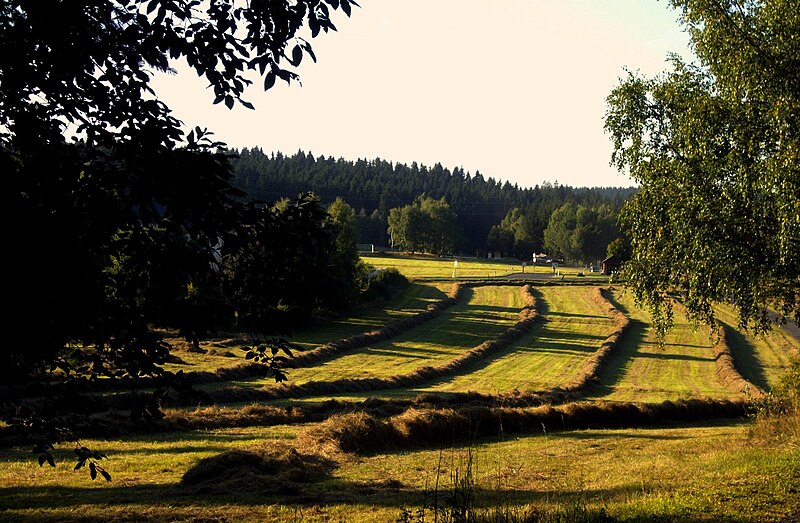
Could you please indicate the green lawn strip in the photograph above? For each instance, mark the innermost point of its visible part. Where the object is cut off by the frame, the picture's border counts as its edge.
(706, 472)
(643, 370)
(761, 359)
(548, 356)
(487, 312)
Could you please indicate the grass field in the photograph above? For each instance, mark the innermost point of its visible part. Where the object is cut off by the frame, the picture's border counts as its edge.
(574, 328)
(676, 471)
(646, 370)
(699, 473)
(484, 312)
(428, 267)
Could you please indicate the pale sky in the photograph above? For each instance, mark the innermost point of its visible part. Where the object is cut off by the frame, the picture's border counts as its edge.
(514, 89)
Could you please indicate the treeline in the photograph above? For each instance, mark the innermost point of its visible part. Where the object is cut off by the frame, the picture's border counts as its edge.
(374, 187)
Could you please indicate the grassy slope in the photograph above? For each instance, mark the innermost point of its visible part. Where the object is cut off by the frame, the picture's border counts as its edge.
(701, 473)
(644, 370)
(442, 268)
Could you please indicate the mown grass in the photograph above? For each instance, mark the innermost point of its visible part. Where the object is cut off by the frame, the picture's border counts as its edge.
(694, 473)
(415, 267)
(429, 267)
(707, 472)
(760, 359)
(485, 313)
(413, 299)
(550, 355)
(644, 369)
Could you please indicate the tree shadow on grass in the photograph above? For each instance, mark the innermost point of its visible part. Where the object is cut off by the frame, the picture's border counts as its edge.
(745, 357)
(627, 348)
(155, 503)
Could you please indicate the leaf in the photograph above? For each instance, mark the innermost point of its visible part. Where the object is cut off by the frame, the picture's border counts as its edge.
(105, 475)
(92, 470)
(269, 81)
(50, 460)
(42, 459)
(297, 56)
(79, 465)
(229, 102)
(246, 104)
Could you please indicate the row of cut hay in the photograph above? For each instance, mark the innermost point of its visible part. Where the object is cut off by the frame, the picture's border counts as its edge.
(590, 371)
(362, 432)
(249, 370)
(727, 373)
(389, 331)
(527, 317)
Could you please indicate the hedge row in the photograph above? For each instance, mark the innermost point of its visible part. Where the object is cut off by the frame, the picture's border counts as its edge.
(362, 432)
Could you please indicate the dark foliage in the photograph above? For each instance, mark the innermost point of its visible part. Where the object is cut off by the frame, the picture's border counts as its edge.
(118, 229)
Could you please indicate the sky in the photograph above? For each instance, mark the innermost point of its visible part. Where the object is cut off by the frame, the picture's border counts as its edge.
(515, 89)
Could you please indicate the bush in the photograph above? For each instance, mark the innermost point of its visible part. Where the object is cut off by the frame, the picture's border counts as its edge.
(777, 417)
(383, 283)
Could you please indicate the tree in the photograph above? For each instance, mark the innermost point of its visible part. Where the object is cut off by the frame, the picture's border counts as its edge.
(426, 225)
(500, 240)
(443, 234)
(619, 247)
(119, 228)
(715, 146)
(345, 264)
(580, 233)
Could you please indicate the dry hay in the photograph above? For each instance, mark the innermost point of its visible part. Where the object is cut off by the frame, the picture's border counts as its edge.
(362, 432)
(727, 373)
(270, 468)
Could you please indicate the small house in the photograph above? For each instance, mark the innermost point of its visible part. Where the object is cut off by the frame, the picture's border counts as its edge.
(611, 265)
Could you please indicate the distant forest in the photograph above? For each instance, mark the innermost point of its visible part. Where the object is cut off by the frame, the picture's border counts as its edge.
(374, 187)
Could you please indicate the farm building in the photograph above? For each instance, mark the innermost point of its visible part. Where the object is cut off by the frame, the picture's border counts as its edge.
(611, 265)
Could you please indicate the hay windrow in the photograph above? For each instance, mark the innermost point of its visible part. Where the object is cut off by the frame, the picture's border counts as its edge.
(528, 316)
(389, 331)
(362, 432)
(590, 371)
(727, 373)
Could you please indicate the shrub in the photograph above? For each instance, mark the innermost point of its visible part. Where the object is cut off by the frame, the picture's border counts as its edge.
(383, 283)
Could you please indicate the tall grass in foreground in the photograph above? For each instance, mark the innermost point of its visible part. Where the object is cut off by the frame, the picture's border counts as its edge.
(455, 497)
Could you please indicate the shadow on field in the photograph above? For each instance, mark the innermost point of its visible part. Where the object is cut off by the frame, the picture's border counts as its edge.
(174, 499)
(573, 315)
(684, 357)
(614, 369)
(745, 359)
